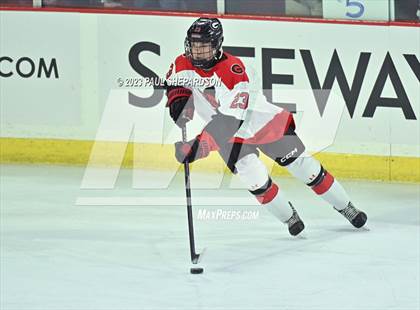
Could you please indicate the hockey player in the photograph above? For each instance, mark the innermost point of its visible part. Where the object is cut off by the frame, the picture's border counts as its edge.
(238, 130)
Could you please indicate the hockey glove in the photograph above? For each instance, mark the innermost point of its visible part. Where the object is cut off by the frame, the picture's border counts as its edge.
(191, 151)
(180, 103)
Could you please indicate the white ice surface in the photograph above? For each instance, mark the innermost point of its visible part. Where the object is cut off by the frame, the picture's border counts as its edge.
(59, 255)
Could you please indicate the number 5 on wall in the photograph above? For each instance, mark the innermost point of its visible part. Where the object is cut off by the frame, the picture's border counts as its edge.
(358, 4)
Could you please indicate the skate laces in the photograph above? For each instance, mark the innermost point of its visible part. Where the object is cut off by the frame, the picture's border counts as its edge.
(350, 212)
(294, 218)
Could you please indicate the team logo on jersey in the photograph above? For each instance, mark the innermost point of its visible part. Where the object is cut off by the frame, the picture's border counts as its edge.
(236, 69)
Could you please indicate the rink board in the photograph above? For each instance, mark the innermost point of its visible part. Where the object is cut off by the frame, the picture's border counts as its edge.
(161, 157)
(53, 114)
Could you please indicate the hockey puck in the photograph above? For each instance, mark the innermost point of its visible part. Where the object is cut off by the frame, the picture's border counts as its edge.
(196, 270)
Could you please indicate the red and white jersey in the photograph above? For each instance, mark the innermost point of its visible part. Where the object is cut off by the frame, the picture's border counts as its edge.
(230, 94)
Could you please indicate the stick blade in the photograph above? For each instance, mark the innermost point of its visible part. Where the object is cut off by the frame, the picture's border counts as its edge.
(197, 257)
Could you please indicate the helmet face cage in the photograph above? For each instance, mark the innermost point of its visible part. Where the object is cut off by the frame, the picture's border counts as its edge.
(209, 33)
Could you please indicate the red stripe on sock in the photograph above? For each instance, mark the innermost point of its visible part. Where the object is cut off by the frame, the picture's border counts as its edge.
(269, 194)
(325, 185)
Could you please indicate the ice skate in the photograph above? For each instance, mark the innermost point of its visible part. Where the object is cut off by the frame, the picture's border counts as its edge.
(356, 217)
(295, 224)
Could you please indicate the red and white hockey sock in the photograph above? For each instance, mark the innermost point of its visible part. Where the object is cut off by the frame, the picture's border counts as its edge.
(331, 191)
(274, 201)
(309, 170)
(254, 175)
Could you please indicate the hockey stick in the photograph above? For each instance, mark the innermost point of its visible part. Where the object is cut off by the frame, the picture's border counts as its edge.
(194, 256)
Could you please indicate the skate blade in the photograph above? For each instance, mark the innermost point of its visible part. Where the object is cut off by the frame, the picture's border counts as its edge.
(364, 228)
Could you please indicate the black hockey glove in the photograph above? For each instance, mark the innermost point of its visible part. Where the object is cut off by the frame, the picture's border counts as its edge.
(180, 103)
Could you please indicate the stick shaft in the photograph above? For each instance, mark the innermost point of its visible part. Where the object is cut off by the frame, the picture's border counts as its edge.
(194, 255)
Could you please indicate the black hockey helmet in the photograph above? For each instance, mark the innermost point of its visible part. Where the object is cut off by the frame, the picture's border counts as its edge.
(204, 30)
